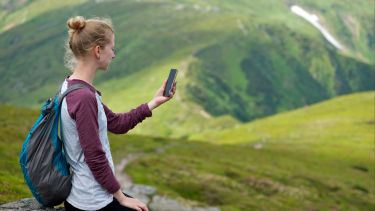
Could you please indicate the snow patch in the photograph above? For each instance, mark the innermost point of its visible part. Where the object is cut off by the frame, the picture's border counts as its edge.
(314, 20)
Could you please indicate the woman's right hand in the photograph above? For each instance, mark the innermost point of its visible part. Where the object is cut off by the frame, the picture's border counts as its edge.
(133, 203)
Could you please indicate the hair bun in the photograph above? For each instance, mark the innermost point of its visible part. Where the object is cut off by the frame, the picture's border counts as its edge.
(76, 23)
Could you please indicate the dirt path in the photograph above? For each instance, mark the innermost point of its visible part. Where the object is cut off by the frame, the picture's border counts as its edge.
(121, 175)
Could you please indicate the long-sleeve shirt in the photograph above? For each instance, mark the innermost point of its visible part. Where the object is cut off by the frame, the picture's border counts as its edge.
(84, 123)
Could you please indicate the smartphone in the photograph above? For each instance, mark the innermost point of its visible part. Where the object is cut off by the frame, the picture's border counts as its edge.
(170, 81)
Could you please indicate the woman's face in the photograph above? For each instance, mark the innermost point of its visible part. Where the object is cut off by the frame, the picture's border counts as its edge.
(107, 54)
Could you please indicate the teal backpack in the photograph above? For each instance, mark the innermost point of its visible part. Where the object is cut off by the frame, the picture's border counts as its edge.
(42, 158)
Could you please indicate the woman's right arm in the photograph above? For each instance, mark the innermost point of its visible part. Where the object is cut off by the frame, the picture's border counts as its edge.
(120, 123)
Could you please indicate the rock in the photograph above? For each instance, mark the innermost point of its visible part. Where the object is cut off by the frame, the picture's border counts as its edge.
(162, 203)
(27, 204)
(143, 189)
(142, 192)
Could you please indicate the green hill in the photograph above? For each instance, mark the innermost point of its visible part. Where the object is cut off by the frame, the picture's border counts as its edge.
(14, 125)
(354, 113)
(316, 158)
(238, 61)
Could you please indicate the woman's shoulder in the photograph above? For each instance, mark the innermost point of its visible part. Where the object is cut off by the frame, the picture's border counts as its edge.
(84, 97)
(81, 101)
(82, 94)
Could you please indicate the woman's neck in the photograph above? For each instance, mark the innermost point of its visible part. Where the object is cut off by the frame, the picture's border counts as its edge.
(85, 72)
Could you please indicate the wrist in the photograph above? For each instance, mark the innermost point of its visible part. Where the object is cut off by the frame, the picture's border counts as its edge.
(152, 105)
(120, 197)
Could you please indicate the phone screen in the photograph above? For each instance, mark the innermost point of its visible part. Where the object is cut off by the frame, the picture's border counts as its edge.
(170, 81)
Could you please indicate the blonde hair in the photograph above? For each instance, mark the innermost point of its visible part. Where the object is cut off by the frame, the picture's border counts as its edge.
(83, 35)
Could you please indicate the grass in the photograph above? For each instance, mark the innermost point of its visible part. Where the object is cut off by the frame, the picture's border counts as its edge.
(14, 125)
(26, 11)
(327, 119)
(320, 157)
(316, 158)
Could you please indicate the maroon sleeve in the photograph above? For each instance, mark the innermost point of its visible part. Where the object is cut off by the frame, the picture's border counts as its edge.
(123, 122)
(83, 108)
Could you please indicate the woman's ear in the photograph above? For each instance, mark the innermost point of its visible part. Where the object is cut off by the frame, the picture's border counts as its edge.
(97, 52)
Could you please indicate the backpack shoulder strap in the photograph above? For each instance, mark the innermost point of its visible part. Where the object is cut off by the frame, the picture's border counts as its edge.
(61, 97)
(70, 89)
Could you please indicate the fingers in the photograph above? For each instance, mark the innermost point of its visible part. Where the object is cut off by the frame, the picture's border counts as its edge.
(144, 208)
(162, 88)
(141, 206)
(174, 87)
(173, 91)
(135, 204)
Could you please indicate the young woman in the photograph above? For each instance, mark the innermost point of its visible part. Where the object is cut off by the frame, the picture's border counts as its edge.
(85, 120)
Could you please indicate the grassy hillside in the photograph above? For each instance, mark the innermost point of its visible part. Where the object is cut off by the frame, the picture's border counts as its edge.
(240, 60)
(264, 81)
(319, 157)
(279, 61)
(354, 113)
(14, 125)
(17, 12)
(316, 158)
